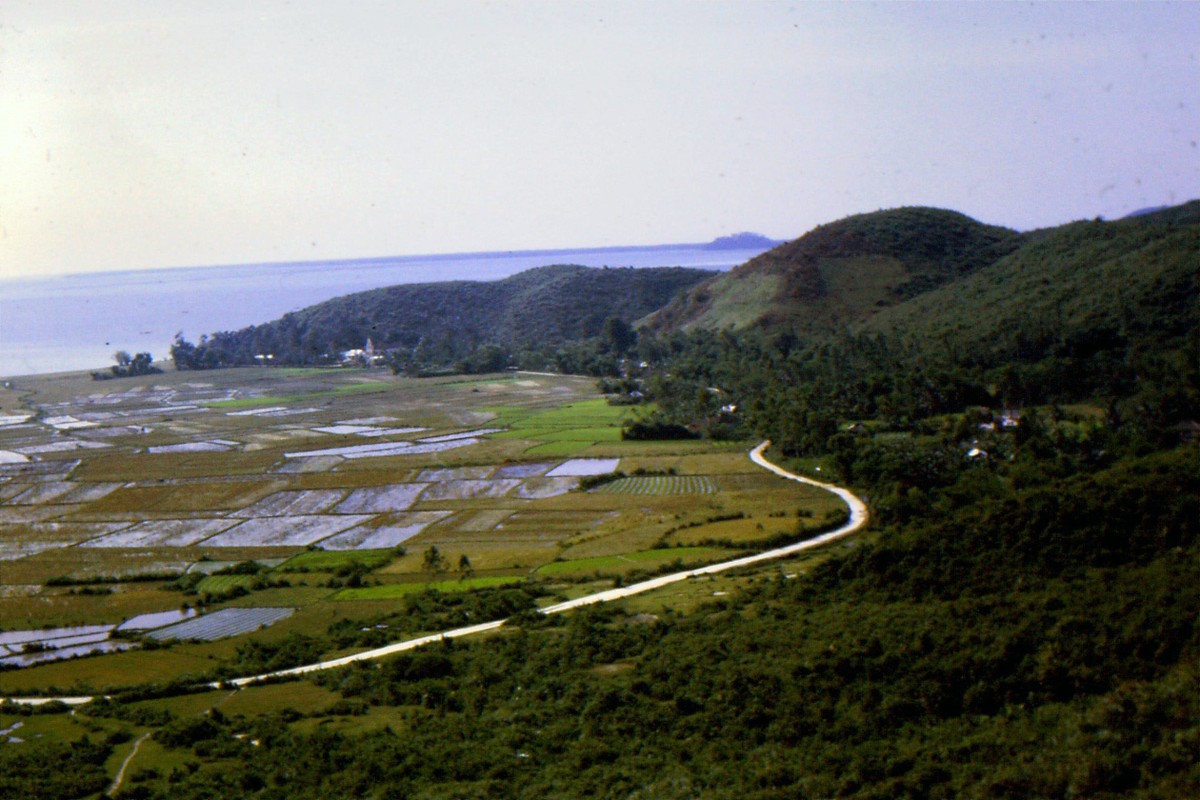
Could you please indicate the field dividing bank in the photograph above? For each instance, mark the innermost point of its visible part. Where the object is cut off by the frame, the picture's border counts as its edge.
(859, 517)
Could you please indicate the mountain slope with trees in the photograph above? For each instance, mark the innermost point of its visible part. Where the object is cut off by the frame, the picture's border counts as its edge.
(1101, 312)
(440, 323)
(1088, 291)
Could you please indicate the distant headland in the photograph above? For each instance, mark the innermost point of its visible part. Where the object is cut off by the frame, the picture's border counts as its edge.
(741, 241)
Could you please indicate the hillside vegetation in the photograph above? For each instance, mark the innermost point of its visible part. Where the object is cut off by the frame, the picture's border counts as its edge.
(1106, 313)
(1072, 292)
(1006, 642)
(440, 323)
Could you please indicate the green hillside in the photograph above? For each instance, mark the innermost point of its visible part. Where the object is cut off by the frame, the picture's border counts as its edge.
(442, 322)
(841, 273)
(1070, 292)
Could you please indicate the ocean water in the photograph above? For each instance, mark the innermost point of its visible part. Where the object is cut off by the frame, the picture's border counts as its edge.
(76, 322)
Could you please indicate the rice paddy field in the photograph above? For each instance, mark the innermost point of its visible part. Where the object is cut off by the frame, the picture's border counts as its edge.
(197, 511)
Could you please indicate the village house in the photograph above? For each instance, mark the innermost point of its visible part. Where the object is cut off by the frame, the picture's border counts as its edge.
(366, 356)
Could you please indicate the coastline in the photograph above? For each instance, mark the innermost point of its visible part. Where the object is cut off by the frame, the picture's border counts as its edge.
(73, 323)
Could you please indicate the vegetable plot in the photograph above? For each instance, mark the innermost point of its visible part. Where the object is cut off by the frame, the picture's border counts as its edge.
(659, 484)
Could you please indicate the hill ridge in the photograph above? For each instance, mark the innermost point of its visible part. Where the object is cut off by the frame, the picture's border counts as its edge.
(841, 272)
(446, 321)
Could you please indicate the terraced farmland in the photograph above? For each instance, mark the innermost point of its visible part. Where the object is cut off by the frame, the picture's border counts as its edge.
(338, 484)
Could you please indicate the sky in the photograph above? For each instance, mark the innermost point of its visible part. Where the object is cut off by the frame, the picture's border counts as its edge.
(156, 134)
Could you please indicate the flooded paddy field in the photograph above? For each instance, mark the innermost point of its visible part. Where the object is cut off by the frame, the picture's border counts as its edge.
(155, 507)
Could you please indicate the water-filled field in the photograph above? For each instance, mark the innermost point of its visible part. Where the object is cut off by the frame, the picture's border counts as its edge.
(222, 624)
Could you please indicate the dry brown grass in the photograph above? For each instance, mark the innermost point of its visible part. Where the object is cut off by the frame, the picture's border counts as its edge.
(192, 497)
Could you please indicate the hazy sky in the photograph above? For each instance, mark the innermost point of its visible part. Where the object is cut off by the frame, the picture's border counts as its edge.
(154, 134)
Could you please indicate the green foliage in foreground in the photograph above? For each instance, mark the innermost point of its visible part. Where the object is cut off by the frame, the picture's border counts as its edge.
(52, 769)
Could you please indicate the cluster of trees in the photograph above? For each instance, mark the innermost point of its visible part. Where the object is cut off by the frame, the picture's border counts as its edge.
(208, 354)
(128, 366)
(799, 391)
(55, 769)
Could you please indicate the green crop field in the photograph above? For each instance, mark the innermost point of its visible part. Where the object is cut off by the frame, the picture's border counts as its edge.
(331, 560)
(216, 584)
(565, 447)
(271, 400)
(564, 430)
(659, 484)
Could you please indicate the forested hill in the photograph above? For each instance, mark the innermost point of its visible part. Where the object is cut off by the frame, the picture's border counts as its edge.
(1068, 293)
(1106, 313)
(841, 273)
(443, 322)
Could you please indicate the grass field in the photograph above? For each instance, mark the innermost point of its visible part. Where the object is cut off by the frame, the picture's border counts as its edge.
(217, 584)
(330, 561)
(566, 447)
(644, 560)
(274, 400)
(390, 591)
(565, 430)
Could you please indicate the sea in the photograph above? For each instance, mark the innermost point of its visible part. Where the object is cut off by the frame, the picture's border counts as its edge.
(78, 321)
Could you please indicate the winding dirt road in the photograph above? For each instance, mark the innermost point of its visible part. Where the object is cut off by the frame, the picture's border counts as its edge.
(116, 784)
(858, 518)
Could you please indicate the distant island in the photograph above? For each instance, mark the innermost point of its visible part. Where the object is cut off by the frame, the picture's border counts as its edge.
(741, 241)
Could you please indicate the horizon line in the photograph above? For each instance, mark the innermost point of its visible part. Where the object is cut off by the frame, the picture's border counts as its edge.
(397, 258)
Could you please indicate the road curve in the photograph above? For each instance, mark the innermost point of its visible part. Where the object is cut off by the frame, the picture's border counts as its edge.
(858, 518)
